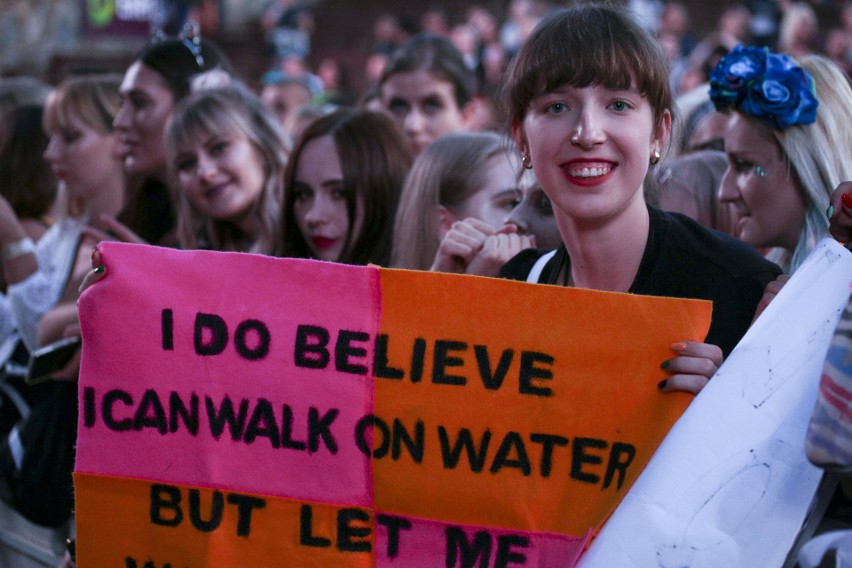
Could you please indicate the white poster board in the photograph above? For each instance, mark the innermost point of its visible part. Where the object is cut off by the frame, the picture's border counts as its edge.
(730, 486)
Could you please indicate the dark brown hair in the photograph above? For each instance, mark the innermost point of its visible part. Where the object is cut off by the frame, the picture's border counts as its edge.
(26, 179)
(374, 160)
(583, 46)
(438, 56)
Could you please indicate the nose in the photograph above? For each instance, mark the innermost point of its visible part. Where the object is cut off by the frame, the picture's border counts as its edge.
(51, 153)
(518, 218)
(206, 167)
(122, 118)
(728, 190)
(414, 121)
(318, 211)
(587, 132)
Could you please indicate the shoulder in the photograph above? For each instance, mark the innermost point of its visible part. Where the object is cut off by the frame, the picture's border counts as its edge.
(683, 238)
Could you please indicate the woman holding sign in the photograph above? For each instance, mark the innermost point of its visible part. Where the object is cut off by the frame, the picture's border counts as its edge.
(591, 109)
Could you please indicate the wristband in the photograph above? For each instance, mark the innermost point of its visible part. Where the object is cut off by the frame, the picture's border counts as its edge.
(16, 249)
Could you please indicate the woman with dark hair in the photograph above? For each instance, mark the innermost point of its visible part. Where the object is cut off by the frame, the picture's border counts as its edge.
(160, 76)
(26, 181)
(428, 89)
(590, 106)
(342, 187)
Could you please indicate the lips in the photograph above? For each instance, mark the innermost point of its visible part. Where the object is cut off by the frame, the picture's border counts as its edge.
(323, 243)
(588, 172)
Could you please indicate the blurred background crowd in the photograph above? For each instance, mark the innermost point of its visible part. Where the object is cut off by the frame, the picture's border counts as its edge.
(345, 42)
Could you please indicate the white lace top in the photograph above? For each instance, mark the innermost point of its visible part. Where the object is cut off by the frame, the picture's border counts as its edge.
(29, 299)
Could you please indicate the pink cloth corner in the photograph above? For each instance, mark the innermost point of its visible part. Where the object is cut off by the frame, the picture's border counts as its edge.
(124, 313)
(405, 542)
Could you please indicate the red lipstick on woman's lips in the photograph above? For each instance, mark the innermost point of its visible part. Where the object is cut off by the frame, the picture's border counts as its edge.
(323, 242)
(588, 172)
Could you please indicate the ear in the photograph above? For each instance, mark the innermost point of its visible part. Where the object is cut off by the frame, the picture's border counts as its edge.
(444, 220)
(664, 131)
(520, 137)
(468, 113)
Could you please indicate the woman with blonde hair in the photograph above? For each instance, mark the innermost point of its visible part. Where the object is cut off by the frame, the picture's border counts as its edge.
(788, 146)
(81, 152)
(227, 155)
(464, 183)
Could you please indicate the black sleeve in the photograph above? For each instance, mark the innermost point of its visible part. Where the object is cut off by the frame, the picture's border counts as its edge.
(737, 302)
(519, 266)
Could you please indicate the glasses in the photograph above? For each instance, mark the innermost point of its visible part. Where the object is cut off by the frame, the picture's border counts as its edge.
(190, 37)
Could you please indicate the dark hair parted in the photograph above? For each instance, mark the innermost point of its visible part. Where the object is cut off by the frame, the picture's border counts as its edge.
(173, 60)
(26, 179)
(438, 56)
(583, 46)
(374, 159)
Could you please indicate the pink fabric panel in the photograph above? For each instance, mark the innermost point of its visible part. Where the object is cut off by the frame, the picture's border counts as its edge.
(120, 431)
(419, 543)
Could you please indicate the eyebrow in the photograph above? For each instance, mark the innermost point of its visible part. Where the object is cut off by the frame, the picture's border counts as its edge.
(513, 191)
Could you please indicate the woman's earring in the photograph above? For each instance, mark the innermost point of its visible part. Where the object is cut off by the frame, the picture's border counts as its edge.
(526, 161)
(655, 158)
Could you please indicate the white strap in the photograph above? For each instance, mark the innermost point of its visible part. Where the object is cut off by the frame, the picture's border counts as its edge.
(538, 267)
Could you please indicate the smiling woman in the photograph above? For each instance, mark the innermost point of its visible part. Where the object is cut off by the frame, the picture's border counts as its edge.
(227, 155)
(590, 107)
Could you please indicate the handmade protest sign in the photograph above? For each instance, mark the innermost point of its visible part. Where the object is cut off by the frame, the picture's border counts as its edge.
(239, 410)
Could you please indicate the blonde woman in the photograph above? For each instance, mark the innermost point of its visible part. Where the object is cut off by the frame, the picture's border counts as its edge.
(783, 158)
(459, 193)
(227, 155)
(81, 153)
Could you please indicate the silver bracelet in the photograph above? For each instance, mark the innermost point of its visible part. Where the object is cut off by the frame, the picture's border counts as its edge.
(16, 249)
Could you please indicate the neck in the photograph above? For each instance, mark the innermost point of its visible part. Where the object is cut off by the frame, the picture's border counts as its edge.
(606, 254)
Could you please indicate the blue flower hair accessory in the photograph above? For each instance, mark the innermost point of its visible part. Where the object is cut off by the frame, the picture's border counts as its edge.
(765, 85)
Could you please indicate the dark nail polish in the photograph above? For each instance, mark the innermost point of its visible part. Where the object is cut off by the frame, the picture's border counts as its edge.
(99, 269)
(665, 364)
(846, 199)
(662, 384)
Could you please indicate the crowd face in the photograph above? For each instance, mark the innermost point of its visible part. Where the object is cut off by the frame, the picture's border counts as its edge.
(285, 100)
(424, 106)
(497, 195)
(768, 205)
(320, 206)
(146, 105)
(222, 177)
(533, 214)
(83, 158)
(590, 148)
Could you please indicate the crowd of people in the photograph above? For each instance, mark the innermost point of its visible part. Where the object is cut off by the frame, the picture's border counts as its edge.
(626, 156)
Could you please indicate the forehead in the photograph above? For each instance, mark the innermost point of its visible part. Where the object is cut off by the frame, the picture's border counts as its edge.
(319, 161)
(140, 77)
(744, 137)
(414, 85)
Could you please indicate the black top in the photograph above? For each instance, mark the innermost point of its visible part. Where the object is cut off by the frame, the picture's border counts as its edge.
(683, 259)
